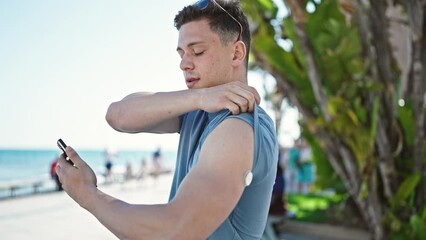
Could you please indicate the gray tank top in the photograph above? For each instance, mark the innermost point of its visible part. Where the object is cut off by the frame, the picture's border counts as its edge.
(248, 219)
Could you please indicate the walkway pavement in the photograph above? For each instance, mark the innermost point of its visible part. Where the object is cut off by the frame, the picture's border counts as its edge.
(292, 230)
(55, 216)
(298, 236)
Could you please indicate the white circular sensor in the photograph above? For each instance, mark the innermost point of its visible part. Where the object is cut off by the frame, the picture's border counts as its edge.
(248, 178)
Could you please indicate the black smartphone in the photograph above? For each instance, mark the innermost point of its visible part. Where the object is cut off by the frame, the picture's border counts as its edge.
(62, 146)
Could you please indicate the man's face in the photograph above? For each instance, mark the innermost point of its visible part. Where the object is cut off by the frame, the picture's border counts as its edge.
(205, 62)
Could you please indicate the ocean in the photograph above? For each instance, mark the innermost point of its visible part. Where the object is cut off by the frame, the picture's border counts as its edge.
(17, 166)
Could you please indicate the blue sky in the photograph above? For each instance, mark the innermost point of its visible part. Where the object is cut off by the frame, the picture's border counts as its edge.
(63, 62)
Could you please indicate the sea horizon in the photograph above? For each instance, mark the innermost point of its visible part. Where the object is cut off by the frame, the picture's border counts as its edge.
(26, 165)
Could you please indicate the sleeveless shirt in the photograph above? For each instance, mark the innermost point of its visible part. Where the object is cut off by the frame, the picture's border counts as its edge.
(248, 218)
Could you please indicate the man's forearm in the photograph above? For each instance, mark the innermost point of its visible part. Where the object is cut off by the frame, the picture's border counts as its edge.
(159, 112)
(129, 221)
(151, 112)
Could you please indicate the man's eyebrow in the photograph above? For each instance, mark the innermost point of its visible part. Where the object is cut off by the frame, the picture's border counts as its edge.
(189, 45)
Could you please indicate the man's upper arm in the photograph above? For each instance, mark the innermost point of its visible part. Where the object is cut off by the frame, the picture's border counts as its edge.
(213, 187)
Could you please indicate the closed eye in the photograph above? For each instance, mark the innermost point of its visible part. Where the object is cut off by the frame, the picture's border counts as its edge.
(198, 53)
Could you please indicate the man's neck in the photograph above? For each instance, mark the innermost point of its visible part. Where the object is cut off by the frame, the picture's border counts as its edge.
(241, 76)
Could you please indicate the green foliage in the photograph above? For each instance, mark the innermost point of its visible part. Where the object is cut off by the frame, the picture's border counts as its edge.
(289, 32)
(284, 62)
(324, 208)
(354, 103)
(406, 118)
(405, 190)
(349, 124)
(259, 9)
(312, 208)
(337, 49)
(326, 177)
(401, 204)
(418, 224)
(415, 229)
(337, 52)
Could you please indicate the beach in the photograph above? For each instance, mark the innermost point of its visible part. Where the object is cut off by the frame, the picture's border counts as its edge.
(55, 215)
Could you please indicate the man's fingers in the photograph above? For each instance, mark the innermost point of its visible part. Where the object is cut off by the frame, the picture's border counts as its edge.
(234, 108)
(74, 157)
(58, 168)
(241, 102)
(61, 167)
(250, 96)
(255, 94)
(235, 96)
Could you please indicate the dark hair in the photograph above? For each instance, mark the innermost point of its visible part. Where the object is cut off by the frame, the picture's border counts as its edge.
(220, 22)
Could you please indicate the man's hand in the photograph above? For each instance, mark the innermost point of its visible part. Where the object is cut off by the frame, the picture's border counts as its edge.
(79, 181)
(235, 96)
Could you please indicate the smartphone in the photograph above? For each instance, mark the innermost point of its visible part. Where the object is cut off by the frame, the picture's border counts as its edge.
(62, 146)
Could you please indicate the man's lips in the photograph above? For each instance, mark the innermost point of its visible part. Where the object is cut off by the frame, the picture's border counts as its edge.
(190, 82)
(192, 79)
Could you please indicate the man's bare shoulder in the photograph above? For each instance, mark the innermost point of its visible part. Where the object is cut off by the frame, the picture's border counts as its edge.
(231, 134)
(235, 127)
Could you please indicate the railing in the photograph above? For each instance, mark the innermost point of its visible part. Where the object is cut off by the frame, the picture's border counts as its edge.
(13, 186)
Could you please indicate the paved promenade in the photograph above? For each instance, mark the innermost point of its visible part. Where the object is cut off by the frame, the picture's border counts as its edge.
(55, 216)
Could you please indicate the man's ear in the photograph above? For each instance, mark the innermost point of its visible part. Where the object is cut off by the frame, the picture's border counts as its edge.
(239, 53)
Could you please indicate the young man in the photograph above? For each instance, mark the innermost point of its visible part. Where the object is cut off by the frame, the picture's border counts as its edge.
(227, 153)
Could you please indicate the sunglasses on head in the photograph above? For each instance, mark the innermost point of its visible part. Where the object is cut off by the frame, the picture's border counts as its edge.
(202, 4)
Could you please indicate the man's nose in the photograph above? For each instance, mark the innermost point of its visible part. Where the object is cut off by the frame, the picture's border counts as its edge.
(186, 63)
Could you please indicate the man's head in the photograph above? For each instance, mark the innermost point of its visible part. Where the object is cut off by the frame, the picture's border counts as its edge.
(225, 17)
(214, 39)
(209, 43)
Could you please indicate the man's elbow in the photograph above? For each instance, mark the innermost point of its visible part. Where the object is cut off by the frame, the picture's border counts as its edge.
(113, 117)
